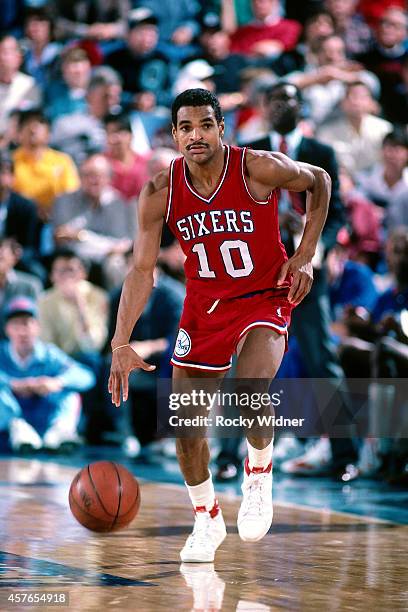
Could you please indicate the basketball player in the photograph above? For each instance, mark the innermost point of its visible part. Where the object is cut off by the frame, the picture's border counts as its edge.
(221, 202)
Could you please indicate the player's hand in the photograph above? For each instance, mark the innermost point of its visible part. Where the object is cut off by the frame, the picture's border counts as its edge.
(124, 360)
(301, 270)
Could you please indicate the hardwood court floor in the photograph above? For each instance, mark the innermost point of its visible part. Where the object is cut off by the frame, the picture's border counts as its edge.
(312, 559)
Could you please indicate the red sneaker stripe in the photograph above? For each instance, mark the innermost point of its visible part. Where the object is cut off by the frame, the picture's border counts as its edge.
(257, 470)
(213, 512)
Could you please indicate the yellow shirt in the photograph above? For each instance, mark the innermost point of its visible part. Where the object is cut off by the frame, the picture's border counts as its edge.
(61, 324)
(44, 178)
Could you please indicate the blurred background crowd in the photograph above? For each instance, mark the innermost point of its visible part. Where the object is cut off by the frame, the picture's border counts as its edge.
(85, 93)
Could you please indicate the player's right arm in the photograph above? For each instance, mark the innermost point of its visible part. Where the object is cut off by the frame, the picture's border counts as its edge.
(138, 285)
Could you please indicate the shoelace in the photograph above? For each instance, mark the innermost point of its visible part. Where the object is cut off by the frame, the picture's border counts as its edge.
(253, 501)
(201, 536)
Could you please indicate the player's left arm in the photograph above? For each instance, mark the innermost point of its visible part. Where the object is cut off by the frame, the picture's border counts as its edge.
(275, 170)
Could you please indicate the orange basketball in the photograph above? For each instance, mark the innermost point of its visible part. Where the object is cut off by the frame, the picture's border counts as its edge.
(104, 496)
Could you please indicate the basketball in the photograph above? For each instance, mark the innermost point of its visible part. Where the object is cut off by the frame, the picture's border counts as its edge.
(104, 496)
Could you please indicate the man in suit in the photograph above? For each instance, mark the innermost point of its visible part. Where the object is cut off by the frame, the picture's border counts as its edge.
(311, 319)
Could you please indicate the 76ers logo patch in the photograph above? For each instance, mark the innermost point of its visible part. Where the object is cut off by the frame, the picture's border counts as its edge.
(183, 344)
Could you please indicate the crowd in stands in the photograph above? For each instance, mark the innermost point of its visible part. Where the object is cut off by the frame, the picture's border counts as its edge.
(86, 88)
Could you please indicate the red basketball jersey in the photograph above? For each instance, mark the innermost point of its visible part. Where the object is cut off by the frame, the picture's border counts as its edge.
(231, 241)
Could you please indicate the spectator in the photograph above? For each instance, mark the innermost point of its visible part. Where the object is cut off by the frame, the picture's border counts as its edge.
(68, 94)
(18, 216)
(38, 384)
(227, 66)
(13, 283)
(17, 90)
(145, 71)
(351, 283)
(373, 10)
(73, 313)
(41, 173)
(395, 103)
(94, 221)
(94, 19)
(152, 337)
(363, 238)
(82, 133)
(324, 87)
(350, 25)
(178, 25)
(388, 179)
(268, 35)
(41, 51)
(318, 25)
(129, 169)
(310, 322)
(357, 134)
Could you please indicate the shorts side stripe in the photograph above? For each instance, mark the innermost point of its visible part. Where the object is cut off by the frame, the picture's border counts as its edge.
(199, 366)
(281, 330)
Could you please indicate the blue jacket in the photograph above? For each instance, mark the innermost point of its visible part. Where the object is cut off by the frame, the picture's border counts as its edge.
(46, 360)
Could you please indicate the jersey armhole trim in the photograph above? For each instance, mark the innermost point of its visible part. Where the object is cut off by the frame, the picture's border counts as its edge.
(170, 192)
(244, 150)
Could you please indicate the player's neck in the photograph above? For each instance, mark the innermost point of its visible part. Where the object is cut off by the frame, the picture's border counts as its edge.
(207, 175)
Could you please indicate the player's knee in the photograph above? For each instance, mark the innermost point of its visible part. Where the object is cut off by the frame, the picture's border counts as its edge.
(189, 447)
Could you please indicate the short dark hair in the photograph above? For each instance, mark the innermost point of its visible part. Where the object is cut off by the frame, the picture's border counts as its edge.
(67, 253)
(121, 120)
(196, 97)
(32, 114)
(398, 137)
(281, 84)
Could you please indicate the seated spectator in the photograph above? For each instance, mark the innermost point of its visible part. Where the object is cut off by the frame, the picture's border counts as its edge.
(94, 19)
(318, 25)
(94, 221)
(40, 50)
(227, 66)
(389, 50)
(145, 71)
(17, 90)
(388, 179)
(152, 337)
(178, 25)
(13, 283)
(350, 25)
(73, 313)
(372, 10)
(268, 35)
(351, 283)
(363, 238)
(324, 86)
(129, 169)
(18, 216)
(357, 133)
(82, 133)
(68, 94)
(39, 385)
(41, 173)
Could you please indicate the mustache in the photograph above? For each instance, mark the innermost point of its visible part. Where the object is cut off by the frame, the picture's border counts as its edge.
(197, 144)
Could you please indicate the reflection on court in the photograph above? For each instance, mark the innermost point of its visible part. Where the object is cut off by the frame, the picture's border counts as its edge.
(311, 560)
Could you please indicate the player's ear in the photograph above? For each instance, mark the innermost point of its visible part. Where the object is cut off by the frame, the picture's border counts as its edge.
(173, 132)
(221, 127)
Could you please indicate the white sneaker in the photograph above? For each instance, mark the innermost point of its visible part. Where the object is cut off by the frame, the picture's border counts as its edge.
(208, 533)
(369, 461)
(256, 511)
(23, 436)
(208, 588)
(315, 461)
(56, 438)
(287, 447)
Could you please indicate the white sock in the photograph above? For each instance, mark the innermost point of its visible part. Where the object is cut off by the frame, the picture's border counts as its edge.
(259, 458)
(202, 495)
